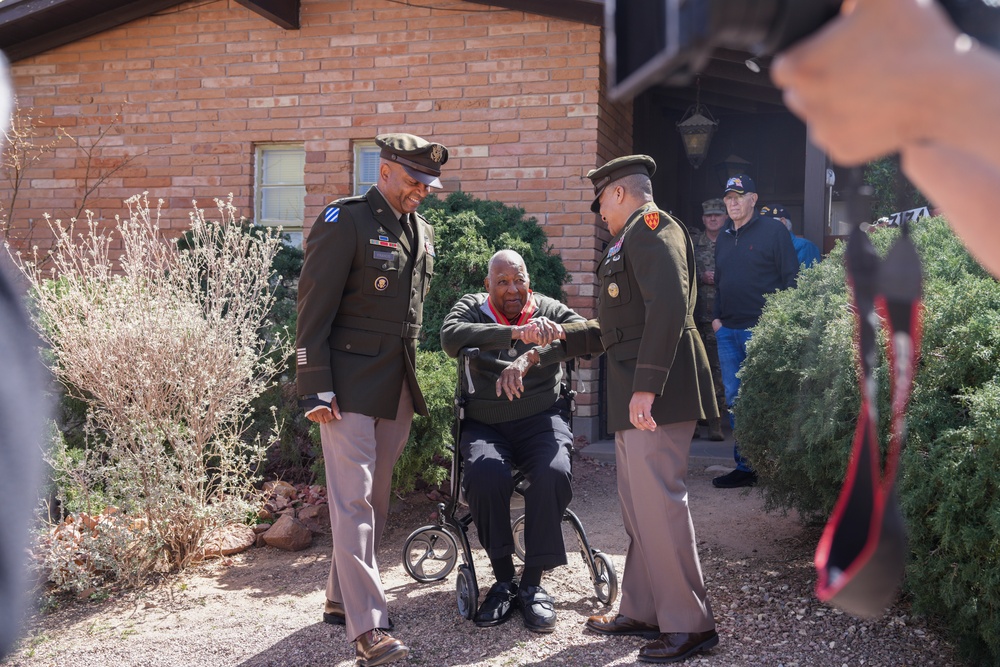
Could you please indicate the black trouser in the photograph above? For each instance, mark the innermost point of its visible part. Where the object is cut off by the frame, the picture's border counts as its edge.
(538, 446)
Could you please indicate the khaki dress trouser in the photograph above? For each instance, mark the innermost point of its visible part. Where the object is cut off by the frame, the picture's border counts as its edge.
(662, 583)
(359, 453)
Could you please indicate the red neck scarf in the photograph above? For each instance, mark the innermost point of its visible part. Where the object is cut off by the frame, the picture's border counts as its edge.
(524, 316)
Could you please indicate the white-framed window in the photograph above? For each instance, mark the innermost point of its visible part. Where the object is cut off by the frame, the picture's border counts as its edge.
(279, 188)
(365, 166)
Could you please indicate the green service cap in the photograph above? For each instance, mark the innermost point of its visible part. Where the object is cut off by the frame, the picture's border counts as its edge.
(420, 158)
(618, 168)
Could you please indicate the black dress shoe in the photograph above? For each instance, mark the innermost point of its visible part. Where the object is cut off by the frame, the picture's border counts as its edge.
(735, 479)
(334, 614)
(378, 647)
(498, 606)
(621, 626)
(677, 646)
(538, 608)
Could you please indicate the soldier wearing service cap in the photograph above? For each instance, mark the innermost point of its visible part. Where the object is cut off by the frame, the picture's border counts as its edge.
(659, 385)
(368, 265)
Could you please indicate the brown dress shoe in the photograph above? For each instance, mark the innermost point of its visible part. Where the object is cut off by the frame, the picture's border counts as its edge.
(334, 614)
(677, 646)
(621, 625)
(378, 647)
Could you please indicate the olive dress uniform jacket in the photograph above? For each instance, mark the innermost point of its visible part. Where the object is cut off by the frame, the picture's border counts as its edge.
(646, 317)
(360, 305)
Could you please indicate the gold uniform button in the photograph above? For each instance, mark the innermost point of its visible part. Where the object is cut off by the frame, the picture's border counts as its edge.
(613, 290)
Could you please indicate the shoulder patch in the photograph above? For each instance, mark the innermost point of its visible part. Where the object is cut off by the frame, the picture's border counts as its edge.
(332, 211)
(652, 219)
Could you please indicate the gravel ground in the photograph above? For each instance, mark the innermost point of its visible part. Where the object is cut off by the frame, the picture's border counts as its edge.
(263, 607)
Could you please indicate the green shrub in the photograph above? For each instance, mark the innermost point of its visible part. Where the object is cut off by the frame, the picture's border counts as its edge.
(467, 231)
(893, 192)
(798, 406)
(427, 456)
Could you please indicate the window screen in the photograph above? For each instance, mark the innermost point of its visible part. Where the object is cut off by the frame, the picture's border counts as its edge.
(280, 185)
(365, 166)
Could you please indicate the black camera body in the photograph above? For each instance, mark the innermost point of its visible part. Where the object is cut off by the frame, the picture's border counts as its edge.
(669, 41)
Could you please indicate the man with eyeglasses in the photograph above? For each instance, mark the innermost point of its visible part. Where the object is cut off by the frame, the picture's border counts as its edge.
(754, 256)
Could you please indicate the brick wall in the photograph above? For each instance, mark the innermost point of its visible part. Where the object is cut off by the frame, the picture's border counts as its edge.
(518, 98)
(614, 139)
(515, 96)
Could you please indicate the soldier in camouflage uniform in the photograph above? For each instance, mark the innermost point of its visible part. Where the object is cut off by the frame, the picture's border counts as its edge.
(714, 219)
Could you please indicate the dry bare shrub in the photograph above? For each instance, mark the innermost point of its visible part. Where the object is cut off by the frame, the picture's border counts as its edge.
(164, 346)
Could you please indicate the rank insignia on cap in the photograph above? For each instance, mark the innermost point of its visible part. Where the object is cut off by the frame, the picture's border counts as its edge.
(332, 214)
(437, 152)
(613, 290)
(652, 219)
(381, 283)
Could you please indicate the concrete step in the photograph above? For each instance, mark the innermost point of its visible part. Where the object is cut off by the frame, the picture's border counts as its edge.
(703, 452)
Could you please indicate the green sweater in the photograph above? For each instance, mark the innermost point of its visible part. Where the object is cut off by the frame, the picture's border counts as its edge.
(469, 324)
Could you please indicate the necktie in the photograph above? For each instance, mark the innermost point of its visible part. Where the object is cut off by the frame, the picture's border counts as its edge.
(407, 229)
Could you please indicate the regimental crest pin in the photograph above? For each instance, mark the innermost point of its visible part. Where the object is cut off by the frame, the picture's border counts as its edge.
(652, 219)
(613, 290)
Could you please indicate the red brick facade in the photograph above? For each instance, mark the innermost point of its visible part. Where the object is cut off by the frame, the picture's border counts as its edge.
(518, 98)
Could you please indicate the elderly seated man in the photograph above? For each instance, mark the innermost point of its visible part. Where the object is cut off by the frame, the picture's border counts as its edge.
(532, 434)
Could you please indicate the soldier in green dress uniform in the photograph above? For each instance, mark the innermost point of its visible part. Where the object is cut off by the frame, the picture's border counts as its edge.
(368, 265)
(659, 385)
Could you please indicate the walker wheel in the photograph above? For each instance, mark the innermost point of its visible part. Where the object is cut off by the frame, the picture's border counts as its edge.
(430, 554)
(467, 592)
(605, 579)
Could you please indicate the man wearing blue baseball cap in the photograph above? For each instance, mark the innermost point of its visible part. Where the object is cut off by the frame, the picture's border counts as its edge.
(754, 256)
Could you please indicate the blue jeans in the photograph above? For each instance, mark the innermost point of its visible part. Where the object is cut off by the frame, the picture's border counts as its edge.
(732, 345)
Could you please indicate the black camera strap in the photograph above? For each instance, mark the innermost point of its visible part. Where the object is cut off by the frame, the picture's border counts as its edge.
(862, 553)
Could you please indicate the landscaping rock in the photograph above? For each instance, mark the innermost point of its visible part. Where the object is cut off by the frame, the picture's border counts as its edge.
(289, 534)
(316, 518)
(228, 540)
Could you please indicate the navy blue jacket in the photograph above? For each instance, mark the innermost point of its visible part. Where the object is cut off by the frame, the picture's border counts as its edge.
(755, 260)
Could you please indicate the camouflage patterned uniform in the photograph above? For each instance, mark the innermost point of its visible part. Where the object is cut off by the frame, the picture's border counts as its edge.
(704, 257)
